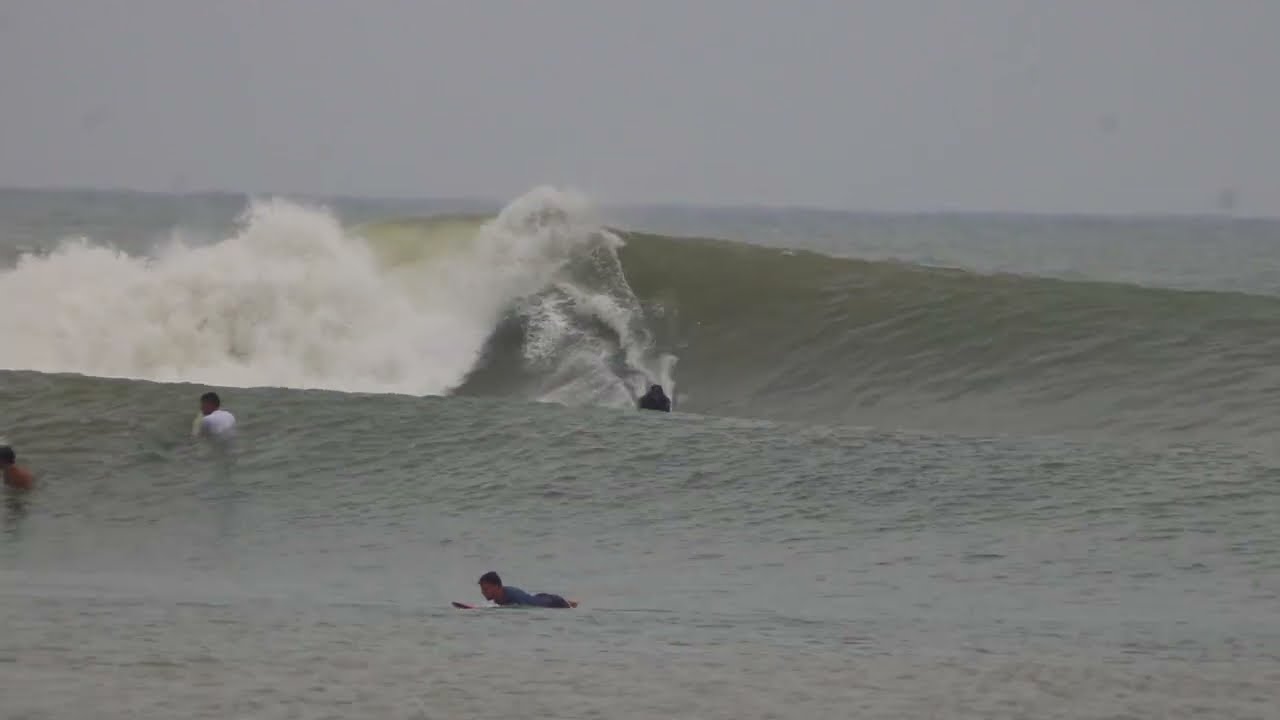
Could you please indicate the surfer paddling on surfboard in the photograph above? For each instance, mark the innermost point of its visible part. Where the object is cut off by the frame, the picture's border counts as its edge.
(494, 591)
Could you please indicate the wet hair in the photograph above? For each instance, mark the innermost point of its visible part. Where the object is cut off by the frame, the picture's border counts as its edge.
(491, 578)
(7, 455)
(655, 389)
(212, 398)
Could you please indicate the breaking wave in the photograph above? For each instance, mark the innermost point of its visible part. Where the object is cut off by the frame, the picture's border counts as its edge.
(295, 299)
(544, 302)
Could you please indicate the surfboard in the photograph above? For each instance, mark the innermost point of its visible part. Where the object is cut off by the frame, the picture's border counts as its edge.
(464, 606)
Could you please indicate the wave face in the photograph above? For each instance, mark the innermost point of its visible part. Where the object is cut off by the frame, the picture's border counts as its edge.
(543, 302)
(800, 335)
(294, 299)
(803, 336)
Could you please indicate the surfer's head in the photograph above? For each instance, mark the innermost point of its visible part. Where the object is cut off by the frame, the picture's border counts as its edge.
(209, 402)
(7, 456)
(491, 586)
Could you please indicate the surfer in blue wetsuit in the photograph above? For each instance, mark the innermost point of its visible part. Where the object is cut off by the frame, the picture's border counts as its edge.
(495, 592)
(655, 399)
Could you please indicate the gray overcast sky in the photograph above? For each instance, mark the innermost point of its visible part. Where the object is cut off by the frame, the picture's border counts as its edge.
(1091, 105)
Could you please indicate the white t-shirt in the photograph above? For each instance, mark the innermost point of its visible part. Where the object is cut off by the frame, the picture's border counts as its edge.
(218, 423)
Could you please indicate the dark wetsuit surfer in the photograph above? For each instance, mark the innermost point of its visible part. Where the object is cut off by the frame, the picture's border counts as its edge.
(494, 591)
(655, 399)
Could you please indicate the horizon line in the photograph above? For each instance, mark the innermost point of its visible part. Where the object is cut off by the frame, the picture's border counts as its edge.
(747, 206)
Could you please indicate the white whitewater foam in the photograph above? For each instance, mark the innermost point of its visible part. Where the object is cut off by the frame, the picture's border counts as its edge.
(292, 299)
(584, 366)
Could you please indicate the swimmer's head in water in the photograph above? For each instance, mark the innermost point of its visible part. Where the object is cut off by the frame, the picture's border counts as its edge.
(7, 456)
(210, 402)
(491, 586)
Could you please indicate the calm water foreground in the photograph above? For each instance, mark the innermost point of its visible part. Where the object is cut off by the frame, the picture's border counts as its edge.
(726, 568)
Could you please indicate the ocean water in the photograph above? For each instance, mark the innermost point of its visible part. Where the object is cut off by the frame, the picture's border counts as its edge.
(943, 466)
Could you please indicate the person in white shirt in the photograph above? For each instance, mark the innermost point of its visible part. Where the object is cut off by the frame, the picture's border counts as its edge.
(214, 422)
